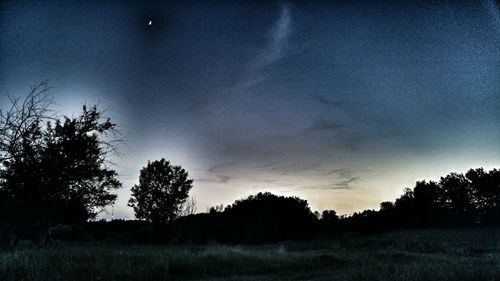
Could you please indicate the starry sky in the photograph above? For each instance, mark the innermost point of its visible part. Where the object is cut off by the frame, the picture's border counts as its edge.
(342, 103)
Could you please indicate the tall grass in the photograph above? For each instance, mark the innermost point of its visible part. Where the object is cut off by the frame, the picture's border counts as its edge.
(414, 255)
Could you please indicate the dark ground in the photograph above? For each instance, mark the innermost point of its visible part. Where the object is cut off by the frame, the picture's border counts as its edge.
(459, 254)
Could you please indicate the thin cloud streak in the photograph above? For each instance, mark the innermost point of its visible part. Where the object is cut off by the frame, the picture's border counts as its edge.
(222, 166)
(280, 33)
(217, 179)
(273, 52)
(341, 185)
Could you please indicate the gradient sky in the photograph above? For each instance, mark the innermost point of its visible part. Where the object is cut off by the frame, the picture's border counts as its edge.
(341, 103)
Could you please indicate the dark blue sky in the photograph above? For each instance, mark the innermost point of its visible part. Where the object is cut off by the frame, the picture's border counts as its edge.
(342, 103)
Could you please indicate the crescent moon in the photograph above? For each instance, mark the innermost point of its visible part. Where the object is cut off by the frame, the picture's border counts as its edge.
(150, 23)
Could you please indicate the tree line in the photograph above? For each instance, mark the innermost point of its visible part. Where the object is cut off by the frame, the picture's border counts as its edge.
(456, 199)
(56, 176)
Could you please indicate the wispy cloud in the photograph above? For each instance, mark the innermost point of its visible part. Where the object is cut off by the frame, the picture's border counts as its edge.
(344, 179)
(354, 142)
(265, 165)
(335, 186)
(345, 184)
(216, 179)
(275, 49)
(222, 166)
(343, 172)
(321, 124)
(278, 40)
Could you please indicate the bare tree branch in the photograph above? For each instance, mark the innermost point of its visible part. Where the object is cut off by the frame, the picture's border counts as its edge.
(16, 121)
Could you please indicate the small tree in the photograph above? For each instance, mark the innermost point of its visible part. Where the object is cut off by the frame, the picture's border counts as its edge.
(161, 192)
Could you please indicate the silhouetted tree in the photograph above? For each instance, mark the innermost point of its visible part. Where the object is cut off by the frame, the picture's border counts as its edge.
(458, 198)
(386, 206)
(458, 195)
(266, 217)
(161, 192)
(485, 188)
(329, 221)
(428, 203)
(329, 216)
(52, 170)
(216, 209)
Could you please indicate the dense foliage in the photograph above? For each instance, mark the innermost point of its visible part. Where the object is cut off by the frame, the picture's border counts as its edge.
(53, 170)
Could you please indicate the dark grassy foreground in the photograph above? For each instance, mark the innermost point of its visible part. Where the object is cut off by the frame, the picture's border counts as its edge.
(411, 255)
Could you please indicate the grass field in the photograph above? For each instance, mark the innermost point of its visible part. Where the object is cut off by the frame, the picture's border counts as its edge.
(410, 255)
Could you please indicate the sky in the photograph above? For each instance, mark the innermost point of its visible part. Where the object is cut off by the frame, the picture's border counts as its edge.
(342, 103)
